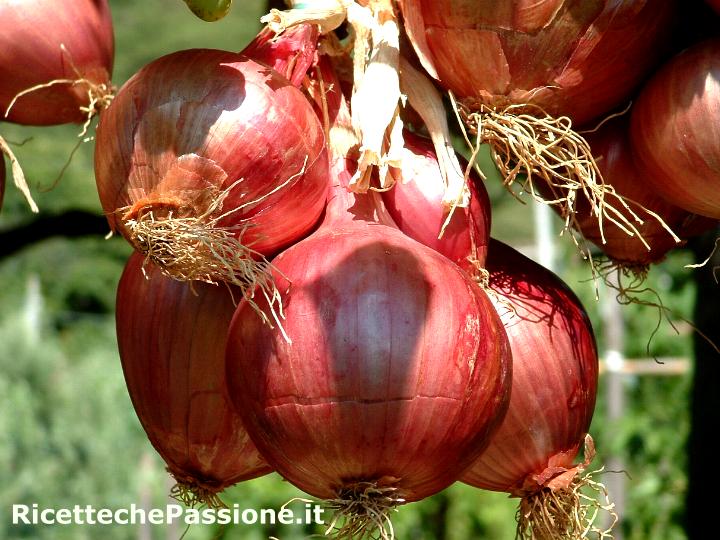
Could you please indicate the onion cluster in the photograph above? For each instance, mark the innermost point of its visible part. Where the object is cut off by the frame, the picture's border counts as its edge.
(313, 289)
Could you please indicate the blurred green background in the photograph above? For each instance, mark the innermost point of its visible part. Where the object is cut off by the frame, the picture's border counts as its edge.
(68, 433)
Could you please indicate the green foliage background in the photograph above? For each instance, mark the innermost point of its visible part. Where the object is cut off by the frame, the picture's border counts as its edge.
(68, 433)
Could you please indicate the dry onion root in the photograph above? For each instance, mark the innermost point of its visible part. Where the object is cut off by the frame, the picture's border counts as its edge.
(555, 160)
(194, 493)
(99, 97)
(362, 510)
(195, 247)
(563, 509)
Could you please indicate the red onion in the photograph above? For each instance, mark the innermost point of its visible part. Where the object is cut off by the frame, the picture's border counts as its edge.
(66, 46)
(612, 151)
(415, 204)
(171, 340)
(715, 4)
(524, 72)
(576, 59)
(207, 159)
(395, 374)
(676, 130)
(555, 371)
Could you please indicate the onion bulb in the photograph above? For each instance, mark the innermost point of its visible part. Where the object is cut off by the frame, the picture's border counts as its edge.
(415, 204)
(55, 60)
(614, 156)
(172, 345)
(676, 130)
(555, 372)
(522, 73)
(395, 375)
(206, 161)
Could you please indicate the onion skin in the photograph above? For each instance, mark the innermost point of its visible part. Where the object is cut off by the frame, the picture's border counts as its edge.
(675, 130)
(555, 372)
(614, 156)
(572, 58)
(31, 54)
(190, 124)
(393, 347)
(171, 342)
(291, 54)
(415, 204)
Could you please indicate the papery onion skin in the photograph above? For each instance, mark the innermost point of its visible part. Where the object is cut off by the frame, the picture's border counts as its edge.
(572, 58)
(31, 54)
(192, 123)
(555, 372)
(392, 348)
(613, 153)
(675, 129)
(291, 54)
(416, 205)
(172, 345)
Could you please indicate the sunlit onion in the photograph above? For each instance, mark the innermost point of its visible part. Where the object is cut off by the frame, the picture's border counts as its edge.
(613, 153)
(172, 346)
(56, 60)
(576, 59)
(207, 160)
(523, 73)
(676, 130)
(555, 371)
(370, 403)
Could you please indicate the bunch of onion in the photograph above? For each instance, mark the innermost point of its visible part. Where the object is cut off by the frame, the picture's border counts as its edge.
(396, 373)
(633, 254)
(522, 73)
(675, 130)
(208, 161)
(555, 369)
(172, 346)
(416, 205)
(55, 65)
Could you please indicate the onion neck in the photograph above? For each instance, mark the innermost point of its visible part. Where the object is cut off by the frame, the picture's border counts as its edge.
(346, 207)
(331, 105)
(291, 53)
